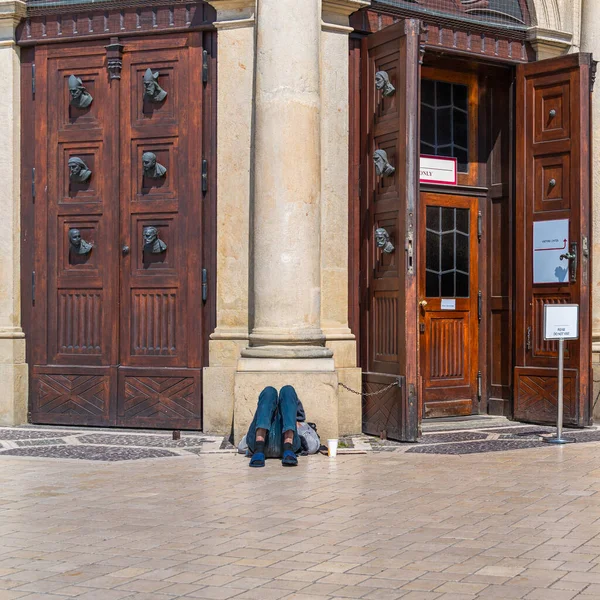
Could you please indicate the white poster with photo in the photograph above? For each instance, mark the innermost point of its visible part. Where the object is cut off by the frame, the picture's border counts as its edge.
(550, 240)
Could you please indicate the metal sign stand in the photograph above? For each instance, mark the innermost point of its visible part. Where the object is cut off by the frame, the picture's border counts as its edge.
(561, 322)
(559, 439)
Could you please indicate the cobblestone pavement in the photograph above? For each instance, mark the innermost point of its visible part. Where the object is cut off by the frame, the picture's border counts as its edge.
(381, 525)
(117, 445)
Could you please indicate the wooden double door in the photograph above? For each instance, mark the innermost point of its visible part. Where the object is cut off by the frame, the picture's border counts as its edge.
(433, 315)
(117, 322)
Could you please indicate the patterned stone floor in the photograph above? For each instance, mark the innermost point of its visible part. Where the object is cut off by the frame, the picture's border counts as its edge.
(117, 445)
(105, 444)
(380, 526)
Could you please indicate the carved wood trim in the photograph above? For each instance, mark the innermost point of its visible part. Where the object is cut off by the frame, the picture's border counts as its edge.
(442, 32)
(112, 19)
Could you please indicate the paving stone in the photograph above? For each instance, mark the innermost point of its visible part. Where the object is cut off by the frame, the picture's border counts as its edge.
(476, 447)
(15, 433)
(161, 441)
(379, 525)
(106, 453)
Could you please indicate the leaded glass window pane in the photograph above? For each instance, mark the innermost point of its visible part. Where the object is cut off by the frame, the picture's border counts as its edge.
(447, 252)
(445, 121)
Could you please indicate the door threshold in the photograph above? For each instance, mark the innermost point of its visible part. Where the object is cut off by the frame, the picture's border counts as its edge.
(467, 422)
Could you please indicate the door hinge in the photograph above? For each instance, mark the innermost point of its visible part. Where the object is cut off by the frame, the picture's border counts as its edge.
(479, 386)
(205, 66)
(479, 305)
(33, 184)
(33, 79)
(528, 338)
(479, 226)
(204, 175)
(33, 288)
(204, 285)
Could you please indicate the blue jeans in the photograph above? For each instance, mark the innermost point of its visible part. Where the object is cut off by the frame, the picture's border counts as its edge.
(277, 414)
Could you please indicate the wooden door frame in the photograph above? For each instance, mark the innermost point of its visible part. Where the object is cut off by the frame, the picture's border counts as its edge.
(494, 400)
(41, 29)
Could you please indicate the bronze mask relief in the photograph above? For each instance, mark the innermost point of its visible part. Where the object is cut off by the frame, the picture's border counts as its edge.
(80, 97)
(382, 165)
(152, 89)
(77, 244)
(382, 82)
(78, 170)
(152, 169)
(152, 243)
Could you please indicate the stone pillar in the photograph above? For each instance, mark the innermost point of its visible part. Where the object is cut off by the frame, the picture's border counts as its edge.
(590, 42)
(300, 181)
(557, 27)
(13, 369)
(287, 183)
(235, 39)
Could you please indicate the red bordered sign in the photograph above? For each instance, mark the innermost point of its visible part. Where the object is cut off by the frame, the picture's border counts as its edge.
(438, 169)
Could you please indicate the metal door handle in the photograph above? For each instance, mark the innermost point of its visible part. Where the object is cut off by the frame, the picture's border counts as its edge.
(423, 304)
(572, 258)
(125, 249)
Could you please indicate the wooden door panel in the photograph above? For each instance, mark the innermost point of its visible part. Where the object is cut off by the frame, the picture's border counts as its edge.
(382, 411)
(553, 183)
(81, 291)
(537, 390)
(391, 125)
(449, 358)
(159, 398)
(161, 302)
(74, 395)
(449, 334)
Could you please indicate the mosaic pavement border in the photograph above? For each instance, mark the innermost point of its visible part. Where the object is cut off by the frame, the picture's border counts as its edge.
(121, 445)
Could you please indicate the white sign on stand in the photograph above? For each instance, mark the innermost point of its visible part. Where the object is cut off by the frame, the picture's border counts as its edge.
(561, 322)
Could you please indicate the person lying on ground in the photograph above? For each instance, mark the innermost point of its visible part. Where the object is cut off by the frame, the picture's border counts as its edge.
(278, 429)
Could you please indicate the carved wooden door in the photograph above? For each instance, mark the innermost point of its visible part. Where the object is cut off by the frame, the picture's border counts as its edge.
(75, 314)
(388, 302)
(449, 304)
(553, 220)
(161, 295)
(117, 332)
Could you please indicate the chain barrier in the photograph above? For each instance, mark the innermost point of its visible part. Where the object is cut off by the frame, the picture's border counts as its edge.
(367, 394)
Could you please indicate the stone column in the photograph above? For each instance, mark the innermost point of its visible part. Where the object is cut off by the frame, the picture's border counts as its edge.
(13, 369)
(287, 183)
(300, 189)
(235, 96)
(590, 42)
(556, 28)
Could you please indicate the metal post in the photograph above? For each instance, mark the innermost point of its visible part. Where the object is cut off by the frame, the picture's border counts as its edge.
(559, 422)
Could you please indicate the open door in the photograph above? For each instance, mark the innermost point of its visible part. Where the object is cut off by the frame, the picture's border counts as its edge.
(553, 234)
(390, 121)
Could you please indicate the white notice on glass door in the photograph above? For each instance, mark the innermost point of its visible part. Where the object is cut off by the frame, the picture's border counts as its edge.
(550, 240)
(448, 304)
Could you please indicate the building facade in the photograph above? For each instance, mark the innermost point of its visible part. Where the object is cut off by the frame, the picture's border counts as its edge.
(204, 198)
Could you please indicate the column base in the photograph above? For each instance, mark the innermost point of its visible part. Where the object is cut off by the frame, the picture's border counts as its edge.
(318, 392)
(287, 352)
(14, 380)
